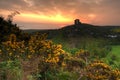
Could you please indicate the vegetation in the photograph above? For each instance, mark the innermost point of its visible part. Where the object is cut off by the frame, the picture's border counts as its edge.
(35, 57)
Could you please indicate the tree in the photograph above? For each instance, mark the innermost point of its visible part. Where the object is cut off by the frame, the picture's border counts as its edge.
(10, 17)
(7, 28)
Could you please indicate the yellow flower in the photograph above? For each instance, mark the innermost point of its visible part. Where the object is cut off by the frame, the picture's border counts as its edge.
(29, 56)
(63, 64)
(17, 56)
(8, 49)
(10, 53)
(13, 49)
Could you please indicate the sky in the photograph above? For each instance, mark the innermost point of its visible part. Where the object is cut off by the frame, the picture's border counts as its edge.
(54, 14)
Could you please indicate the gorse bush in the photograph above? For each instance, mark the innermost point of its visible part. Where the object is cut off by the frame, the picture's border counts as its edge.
(100, 71)
(36, 46)
(41, 59)
(48, 53)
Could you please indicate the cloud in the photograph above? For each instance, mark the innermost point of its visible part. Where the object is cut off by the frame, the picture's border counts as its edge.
(108, 12)
(50, 7)
(12, 4)
(65, 7)
(105, 11)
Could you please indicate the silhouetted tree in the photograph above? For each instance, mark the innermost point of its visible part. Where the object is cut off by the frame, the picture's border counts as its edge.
(7, 28)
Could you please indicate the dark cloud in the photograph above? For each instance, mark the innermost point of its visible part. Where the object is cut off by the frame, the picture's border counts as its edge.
(108, 12)
(12, 4)
(63, 6)
(50, 7)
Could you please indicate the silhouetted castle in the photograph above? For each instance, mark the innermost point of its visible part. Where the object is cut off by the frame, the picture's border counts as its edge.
(77, 22)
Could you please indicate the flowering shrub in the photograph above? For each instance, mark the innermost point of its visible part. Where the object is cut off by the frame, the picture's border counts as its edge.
(98, 70)
(48, 53)
(44, 56)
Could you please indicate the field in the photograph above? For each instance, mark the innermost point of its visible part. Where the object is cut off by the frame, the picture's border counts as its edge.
(45, 56)
(116, 50)
(115, 56)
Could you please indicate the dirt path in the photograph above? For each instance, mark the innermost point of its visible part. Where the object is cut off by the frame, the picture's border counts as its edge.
(29, 67)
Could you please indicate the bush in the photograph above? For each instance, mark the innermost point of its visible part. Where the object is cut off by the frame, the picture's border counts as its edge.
(10, 70)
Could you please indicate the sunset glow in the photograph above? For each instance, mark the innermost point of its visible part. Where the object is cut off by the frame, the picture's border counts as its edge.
(49, 12)
(44, 18)
(92, 16)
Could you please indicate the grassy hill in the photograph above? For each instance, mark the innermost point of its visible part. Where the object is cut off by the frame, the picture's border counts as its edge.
(81, 30)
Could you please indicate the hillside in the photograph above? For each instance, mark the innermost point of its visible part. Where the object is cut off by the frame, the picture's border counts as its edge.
(84, 29)
(63, 55)
(81, 30)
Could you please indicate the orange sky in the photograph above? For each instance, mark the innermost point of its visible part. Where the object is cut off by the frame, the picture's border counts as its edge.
(57, 19)
(50, 14)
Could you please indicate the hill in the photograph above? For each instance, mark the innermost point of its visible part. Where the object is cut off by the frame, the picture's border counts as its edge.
(82, 29)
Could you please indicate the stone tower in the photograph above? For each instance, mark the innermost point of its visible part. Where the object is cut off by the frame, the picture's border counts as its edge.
(77, 22)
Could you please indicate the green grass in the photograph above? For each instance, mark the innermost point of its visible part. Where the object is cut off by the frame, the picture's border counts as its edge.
(113, 58)
(116, 50)
(96, 47)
